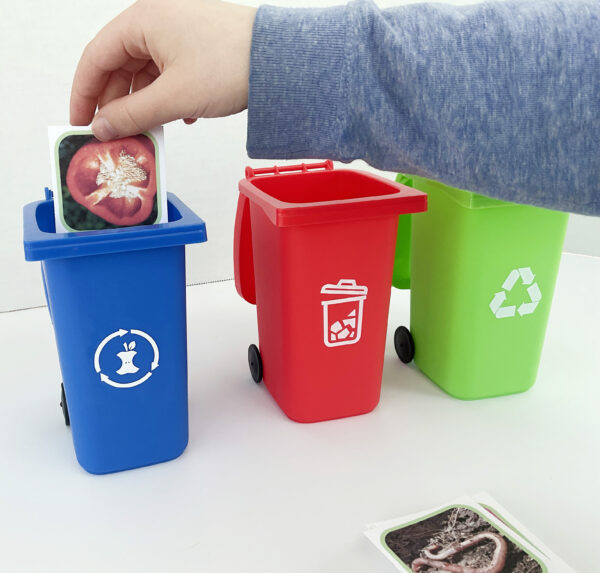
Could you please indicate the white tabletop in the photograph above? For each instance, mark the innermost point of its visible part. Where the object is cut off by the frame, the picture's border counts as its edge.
(256, 492)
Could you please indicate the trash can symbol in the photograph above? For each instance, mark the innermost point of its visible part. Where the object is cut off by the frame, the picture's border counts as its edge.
(117, 303)
(482, 274)
(342, 317)
(314, 250)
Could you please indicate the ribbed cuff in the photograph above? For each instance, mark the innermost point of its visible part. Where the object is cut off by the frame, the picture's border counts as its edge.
(296, 92)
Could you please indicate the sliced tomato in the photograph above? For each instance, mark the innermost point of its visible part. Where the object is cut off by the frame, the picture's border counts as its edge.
(115, 180)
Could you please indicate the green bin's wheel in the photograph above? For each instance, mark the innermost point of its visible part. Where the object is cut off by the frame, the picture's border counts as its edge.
(404, 344)
(63, 405)
(255, 363)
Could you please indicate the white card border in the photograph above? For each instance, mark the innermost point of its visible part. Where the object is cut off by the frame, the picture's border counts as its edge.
(56, 132)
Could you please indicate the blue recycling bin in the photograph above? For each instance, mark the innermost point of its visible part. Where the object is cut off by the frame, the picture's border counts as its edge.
(117, 303)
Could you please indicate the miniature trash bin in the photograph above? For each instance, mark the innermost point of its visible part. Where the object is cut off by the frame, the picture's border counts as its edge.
(117, 303)
(314, 250)
(481, 274)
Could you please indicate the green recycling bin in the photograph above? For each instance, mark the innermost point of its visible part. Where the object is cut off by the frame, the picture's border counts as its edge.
(482, 274)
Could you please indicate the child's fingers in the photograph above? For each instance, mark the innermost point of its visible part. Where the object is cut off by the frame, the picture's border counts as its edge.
(145, 76)
(112, 48)
(139, 111)
(87, 86)
(118, 85)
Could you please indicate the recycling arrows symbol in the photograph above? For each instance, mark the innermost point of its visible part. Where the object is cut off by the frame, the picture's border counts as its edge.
(120, 333)
(535, 295)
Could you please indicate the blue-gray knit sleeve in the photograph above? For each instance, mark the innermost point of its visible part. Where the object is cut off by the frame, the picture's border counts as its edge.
(501, 98)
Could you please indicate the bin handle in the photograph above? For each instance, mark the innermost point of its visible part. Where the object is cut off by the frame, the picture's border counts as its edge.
(402, 256)
(243, 259)
(275, 170)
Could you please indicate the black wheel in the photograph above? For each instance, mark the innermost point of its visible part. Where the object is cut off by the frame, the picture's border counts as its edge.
(255, 363)
(404, 344)
(63, 405)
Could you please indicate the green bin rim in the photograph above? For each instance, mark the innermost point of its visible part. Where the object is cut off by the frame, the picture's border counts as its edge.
(467, 199)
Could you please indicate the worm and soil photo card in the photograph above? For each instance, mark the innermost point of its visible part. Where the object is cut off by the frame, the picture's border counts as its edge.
(105, 185)
(469, 535)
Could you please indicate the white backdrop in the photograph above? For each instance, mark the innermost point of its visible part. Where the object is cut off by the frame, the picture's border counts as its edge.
(40, 44)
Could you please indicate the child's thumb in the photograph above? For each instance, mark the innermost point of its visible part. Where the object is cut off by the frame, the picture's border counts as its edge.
(132, 114)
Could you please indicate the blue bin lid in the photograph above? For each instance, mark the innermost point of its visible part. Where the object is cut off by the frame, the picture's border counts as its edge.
(42, 242)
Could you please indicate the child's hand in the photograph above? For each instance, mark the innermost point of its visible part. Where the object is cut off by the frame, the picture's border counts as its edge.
(181, 59)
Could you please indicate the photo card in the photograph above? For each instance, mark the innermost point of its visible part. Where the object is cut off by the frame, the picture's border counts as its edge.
(106, 185)
(490, 505)
(461, 536)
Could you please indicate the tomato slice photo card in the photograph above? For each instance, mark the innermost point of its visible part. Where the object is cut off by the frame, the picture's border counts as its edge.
(105, 185)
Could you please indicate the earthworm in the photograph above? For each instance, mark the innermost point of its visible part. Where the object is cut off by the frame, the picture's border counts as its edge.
(433, 559)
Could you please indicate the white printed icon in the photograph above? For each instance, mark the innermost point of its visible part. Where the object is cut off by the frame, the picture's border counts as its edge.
(126, 357)
(533, 290)
(342, 316)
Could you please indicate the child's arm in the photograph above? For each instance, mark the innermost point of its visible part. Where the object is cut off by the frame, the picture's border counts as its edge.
(502, 98)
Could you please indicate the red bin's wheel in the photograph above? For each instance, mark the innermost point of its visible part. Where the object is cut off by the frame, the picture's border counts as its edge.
(63, 405)
(255, 363)
(404, 344)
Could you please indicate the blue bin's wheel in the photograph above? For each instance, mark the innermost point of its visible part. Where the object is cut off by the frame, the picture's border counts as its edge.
(404, 344)
(255, 363)
(63, 405)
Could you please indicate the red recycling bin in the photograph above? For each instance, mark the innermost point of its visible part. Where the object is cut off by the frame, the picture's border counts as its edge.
(314, 250)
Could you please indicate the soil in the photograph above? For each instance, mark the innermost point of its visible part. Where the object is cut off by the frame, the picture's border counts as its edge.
(452, 525)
